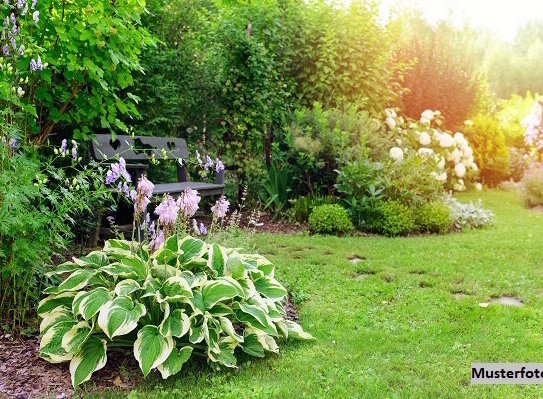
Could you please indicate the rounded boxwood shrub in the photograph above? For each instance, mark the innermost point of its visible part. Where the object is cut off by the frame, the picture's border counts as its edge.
(330, 219)
(396, 219)
(433, 217)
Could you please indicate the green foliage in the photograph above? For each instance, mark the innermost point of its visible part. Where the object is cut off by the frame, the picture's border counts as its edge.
(532, 186)
(275, 189)
(510, 114)
(395, 218)
(303, 206)
(519, 161)
(186, 298)
(41, 206)
(440, 70)
(433, 217)
(330, 219)
(489, 150)
(469, 215)
(90, 51)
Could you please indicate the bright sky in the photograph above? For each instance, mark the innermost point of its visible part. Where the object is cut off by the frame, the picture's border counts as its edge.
(503, 17)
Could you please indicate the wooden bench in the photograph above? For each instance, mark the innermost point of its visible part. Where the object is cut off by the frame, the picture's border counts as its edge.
(137, 152)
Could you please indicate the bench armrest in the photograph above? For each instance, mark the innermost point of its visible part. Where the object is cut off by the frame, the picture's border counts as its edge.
(219, 179)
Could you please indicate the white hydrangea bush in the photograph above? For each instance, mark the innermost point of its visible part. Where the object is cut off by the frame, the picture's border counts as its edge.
(452, 153)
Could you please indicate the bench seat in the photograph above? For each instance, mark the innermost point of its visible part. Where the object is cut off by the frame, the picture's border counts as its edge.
(204, 189)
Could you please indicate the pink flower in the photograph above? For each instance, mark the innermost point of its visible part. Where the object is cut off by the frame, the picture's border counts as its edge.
(167, 211)
(221, 207)
(142, 196)
(188, 202)
(157, 241)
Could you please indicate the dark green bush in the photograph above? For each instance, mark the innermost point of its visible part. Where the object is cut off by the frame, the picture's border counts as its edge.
(433, 217)
(330, 219)
(303, 206)
(396, 219)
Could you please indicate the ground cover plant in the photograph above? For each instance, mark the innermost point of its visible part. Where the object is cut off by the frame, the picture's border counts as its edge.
(404, 320)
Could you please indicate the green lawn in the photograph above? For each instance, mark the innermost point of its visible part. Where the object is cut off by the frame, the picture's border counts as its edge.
(399, 331)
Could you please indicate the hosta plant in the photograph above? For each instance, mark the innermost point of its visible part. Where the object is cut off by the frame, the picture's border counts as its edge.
(186, 298)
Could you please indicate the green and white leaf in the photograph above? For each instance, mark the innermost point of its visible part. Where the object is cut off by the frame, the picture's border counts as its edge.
(77, 280)
(296, 331)
(51, 302)
(270, 288)
(78, 334)
(89, 303)
(216, 259)
(126, 287)
(173, 364)
(55, 316)
(90, 358)
(222, 289)
(256, 317)
(151, 349)
(252, 346)
(228, 328)
(192, 248)
(175, 324)
(175, 289)
(51, 342)
(120, 316)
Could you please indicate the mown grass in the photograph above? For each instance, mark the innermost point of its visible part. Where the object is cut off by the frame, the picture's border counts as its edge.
(390, 326)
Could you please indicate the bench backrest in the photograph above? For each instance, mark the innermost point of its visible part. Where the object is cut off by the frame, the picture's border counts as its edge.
(138, 147)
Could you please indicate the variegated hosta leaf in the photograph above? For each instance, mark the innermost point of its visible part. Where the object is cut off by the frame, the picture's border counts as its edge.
(296, 331)
(252, 346)
(127, 267)
(75, 281)
(175, 289)
(222, 289)
(51, 302)
(173, 364)
(211, 329)
(228, 328)
(114, 245)
(163, 271)
(282, 328)
(192, 248)
(51, 342)
(126, 287)
(196, 329)
(256, 317)
(89, 303)
(94, 259)
(275, 313)
(216, 259)
(267, 342)
(120, 316)
(151, 287)
(225, 353)
(175, 324)
(270, 288)
(235, 267)
(58, 314)
(194, 279)
(78, 334)
(151, 349)
(90, 358)
(261, 262)
(66, 267)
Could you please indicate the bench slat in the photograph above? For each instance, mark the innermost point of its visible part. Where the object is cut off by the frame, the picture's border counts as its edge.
(138, 147)
(204, 189)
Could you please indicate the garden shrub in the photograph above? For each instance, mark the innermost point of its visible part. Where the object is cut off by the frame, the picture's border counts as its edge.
(187, 297)
(330, 219)
(489, 150)
(303, 206)
(433, 217)
(519, 162)
(469, 216)
(532, 186)
(396, 218)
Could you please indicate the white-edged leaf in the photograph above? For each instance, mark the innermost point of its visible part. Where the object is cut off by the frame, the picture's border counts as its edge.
(58, 314)
(90, 358)
(296, 331)
(192, 248)
(78, 334)
(256, 317)
(77, 280)
(219, 290)
(51, 302)
(120, 316)
(89, 303)
(51, 342)
(126, 287)
(175, 289)
(151, 349)
(228, 328)
(270, 288)
(175, 324)
(173, 364)
(252, 346)
(216, 259)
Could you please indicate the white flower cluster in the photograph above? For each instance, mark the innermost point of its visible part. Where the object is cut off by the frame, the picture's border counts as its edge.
(452, 153)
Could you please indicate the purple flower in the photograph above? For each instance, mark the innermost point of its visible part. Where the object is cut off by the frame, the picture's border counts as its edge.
(33, 65)
(198, 158)
(21, 51)
(5, 50)
(25, 9)
(6, 23)
(209, 163)
(157, 241)
(64, 147)
(13, 19)
(203, 229)
(144, 191)
(116, 171)
(195, 227)
(36, 16)
(188, 202)
(13, 144)
(15, 29)
(219, 166)
(74, 149)
(220, 208)
(111, 220)
(39, 64)
(12, 41)
(167, 211)
(34, 3)
(20, 3)
(152, 229)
